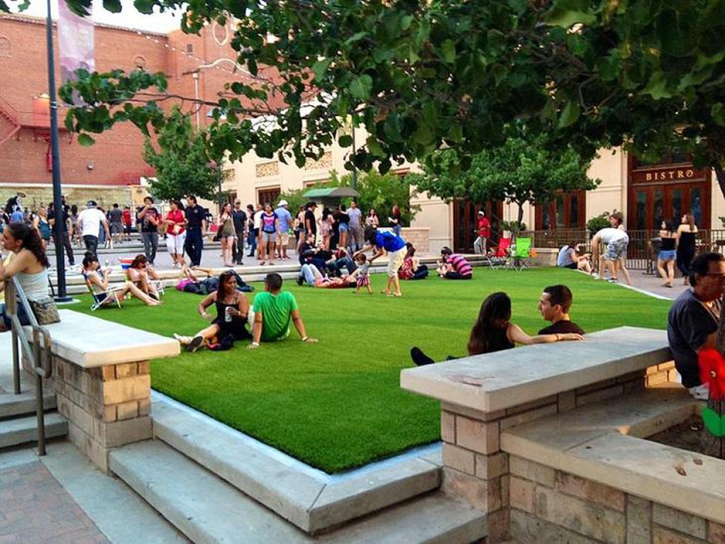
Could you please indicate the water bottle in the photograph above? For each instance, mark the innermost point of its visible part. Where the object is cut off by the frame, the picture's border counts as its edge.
(107, 263)
(228, 314)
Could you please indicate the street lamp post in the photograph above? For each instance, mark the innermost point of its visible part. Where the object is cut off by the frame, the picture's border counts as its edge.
(59, 224)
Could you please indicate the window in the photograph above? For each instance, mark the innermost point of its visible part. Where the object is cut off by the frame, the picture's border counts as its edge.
(189, 48)
(139, 62)
(566, 211)
(268, 195)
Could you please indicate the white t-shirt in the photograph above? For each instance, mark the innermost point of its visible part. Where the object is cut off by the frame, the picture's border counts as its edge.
(90, 220)
(610, 235)
(258, 219)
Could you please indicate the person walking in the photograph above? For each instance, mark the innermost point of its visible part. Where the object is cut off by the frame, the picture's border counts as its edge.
(90, 222)
(226, 233)
(251, 234)
(149, 218)
(483, 227)
(175, 222)
(686, 244)
(195, 229)
(67, 231)
(115, 218)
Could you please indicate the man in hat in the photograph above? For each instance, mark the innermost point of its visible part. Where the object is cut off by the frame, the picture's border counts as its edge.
(284, 221)
(90, 222)
(483, 227)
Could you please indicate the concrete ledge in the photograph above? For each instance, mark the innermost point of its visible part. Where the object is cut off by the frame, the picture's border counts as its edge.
(312, 503)
(23, 430)
(501, 380)
(91, 342)
(604, 442)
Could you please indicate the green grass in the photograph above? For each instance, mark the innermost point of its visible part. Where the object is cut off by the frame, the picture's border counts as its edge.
(337, 404)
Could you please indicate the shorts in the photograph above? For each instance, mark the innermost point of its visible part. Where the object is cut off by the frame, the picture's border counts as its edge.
(395, 261)
(667, 255)
(571, 266)
(343, 227)
(268, 237)
(283, 239)
(363, 281)
(127, 229)
(116, 228)
(616, 249)
(175, 243)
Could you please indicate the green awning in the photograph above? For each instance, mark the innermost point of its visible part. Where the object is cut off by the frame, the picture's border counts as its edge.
(331, 192)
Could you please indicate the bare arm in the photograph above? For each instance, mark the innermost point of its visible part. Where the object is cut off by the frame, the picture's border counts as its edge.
(300, 326)
(517, 335)
(204, 304)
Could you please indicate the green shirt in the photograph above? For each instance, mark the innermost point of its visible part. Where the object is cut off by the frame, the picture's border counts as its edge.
(276, 313)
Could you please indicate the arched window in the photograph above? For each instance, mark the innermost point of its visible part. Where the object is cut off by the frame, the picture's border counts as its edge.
(139, 62)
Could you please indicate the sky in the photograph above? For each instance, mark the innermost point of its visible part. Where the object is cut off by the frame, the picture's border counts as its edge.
(128, 18)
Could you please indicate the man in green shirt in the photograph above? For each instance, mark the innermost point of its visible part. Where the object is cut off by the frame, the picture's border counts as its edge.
(273, 311)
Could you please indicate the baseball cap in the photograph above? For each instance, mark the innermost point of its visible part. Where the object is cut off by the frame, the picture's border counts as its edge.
(283, 202)
(481, 213)
(91, 203)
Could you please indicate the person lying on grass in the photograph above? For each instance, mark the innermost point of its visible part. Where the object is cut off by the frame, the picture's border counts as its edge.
(230, 323)
(310, 275)
(273, 311)
(493, 331)
(107, 294)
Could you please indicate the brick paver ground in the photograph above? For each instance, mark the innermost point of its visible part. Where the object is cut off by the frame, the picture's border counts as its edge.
(34, 508)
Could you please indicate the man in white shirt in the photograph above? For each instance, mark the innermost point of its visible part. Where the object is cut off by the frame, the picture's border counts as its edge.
(356, 229)
(616, 241)
(89, 223)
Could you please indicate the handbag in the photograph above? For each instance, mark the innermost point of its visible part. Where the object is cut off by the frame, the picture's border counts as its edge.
(45, 310)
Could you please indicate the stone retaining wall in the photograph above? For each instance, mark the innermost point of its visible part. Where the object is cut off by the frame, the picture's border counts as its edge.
(476, 469)
(548, 505)
(106, 407)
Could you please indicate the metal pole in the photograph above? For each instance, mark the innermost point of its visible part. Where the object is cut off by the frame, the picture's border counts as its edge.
(59, 224)
(354, 168)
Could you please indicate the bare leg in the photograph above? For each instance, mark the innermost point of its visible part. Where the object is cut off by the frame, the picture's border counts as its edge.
(661, 270)
(135, 291)
(271, 252)
(625, 272)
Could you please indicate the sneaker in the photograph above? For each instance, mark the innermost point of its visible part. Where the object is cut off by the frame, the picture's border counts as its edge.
(299, 281)
(195, 343)
(612, 280)
(183, 340)
(700, 392)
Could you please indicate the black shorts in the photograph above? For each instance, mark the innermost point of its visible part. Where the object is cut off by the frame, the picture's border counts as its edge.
(451, 275)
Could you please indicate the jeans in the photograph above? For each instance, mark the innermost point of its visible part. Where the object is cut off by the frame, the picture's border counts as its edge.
(252, 241)
(355, 239)
(309, 273)
(68, 248)
(91, 243)
(150, 245)
(194, 245)
(238, 249)
(335, 267)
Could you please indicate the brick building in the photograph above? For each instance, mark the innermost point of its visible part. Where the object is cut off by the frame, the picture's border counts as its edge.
(110, 171)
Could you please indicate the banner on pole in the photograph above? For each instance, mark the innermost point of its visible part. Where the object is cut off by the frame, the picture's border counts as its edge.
(75, 43)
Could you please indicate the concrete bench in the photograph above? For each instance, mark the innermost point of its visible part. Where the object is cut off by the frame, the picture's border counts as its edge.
(484, 396)
(102, 381)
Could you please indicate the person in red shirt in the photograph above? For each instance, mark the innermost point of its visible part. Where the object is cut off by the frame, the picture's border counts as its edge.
(126, 218)
(483, 227)
(175, 222)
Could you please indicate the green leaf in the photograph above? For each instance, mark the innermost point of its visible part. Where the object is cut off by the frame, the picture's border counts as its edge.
(717, 111)
(374, 146)
(355, 38)
(345, 140)
(114, 6)
(361, 87)
(569, 114)
(320, 67)
(567, 18)
(85, 140)
(144, 6)
(448, 48)
(658, 87)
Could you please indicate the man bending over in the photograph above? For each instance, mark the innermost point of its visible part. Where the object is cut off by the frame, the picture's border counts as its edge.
(273, 311)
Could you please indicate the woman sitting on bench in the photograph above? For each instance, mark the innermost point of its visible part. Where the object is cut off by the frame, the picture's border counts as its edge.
(106, 295)
(493, 331)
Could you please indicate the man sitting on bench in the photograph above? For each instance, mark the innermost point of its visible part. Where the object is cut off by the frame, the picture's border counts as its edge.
(554, 306)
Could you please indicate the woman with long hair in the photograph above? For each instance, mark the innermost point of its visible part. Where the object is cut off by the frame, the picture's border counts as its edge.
(108, 295)
(372, 219)
(686, 244)
(175, 222)
(232, 308)
(326, 221)
(29, 265)
(226, 233)
(666, 256)
(144, 277)
(394, 220)
(42, 225)
(493, 331)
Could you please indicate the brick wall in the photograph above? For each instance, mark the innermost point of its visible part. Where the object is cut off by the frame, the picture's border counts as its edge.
(419, 237)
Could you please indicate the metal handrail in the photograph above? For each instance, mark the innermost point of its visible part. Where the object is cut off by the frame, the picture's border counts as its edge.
(40, 355)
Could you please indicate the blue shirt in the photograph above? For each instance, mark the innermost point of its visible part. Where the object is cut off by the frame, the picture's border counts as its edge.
(389, 241)
(284, 217)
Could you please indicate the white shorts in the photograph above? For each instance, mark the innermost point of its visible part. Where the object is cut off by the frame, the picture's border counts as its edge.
(175, 243)
(395, 261)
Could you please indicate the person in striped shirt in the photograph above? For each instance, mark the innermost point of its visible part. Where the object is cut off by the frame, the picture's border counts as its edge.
(454, 266)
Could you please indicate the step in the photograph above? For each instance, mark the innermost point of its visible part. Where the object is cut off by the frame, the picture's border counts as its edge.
(12, 405)
(14, 432)
(207, 509)
(310, 499)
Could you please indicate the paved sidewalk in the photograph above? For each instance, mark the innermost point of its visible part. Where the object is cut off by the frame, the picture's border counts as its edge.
(34, 507)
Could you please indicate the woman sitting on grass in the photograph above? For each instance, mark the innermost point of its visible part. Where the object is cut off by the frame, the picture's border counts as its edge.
(143, 276)
(412, 269)
(493, 331)
(230, 323)
(108, 295)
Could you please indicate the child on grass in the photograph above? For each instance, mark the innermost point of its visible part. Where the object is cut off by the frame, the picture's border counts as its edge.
(362, 273)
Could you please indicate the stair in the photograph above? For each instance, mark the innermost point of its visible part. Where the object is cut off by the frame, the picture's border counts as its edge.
(207, 509)
(309, 499)
(12, 129)
(21, 430)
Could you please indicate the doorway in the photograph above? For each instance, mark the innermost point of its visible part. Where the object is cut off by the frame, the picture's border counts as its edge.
(465, 214)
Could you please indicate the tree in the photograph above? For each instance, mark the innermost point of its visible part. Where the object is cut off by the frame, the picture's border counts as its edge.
(182, 164)
(524, 169)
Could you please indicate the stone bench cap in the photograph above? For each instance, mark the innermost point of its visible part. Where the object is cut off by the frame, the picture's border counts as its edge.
(495, 381)
(93, 342)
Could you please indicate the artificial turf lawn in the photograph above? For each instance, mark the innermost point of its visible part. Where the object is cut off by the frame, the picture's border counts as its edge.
(337, 404)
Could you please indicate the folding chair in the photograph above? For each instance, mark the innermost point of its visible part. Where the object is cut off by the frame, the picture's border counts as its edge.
(100, 298)
(498, 258)
(520, 255)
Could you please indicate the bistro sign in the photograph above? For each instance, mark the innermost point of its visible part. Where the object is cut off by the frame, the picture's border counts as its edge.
(670, 174)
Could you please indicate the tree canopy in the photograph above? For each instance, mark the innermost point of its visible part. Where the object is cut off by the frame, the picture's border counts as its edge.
(182, 165)
(423, 74)
(523, 169)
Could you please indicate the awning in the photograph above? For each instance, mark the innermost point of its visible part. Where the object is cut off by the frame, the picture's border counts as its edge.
(331, 192)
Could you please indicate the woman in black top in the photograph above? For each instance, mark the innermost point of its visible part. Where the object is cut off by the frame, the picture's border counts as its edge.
(686, 244)
(666, 257)
(493, 331)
